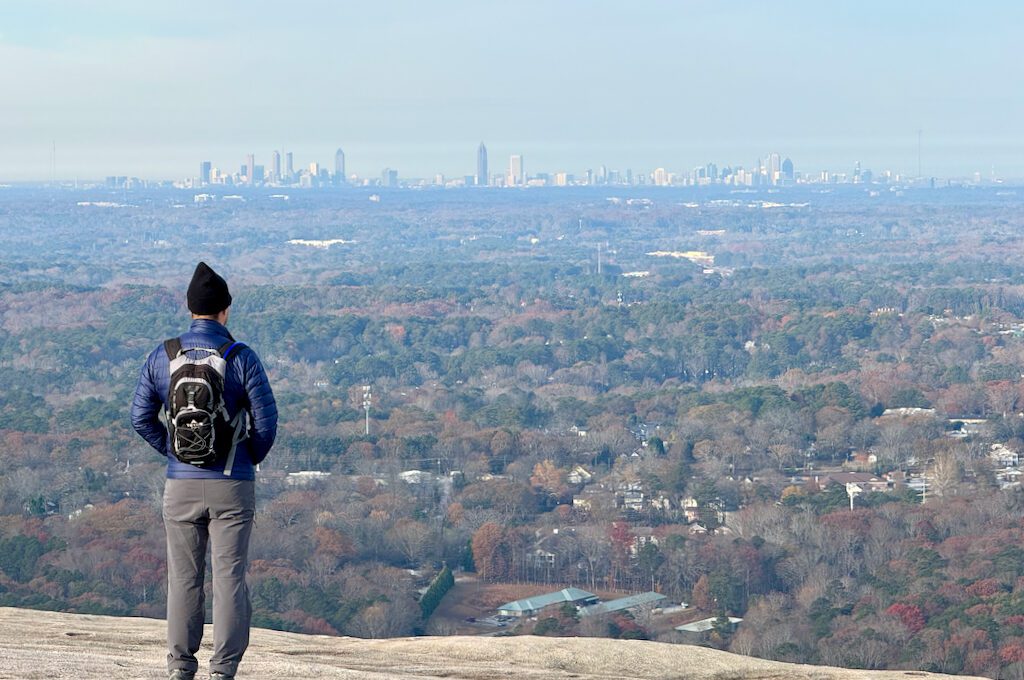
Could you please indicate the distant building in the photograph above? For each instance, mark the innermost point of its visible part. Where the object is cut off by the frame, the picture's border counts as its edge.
(389, 178)
(643, 601)
(787, 171)
(204, 172)
(1004, 457)
(250, 168)
(305, 477)
(275, 165)
(339, 166)
(289, 169)
(415, 477)
(864, 481)
(706, 625)
(579, 475)
(773, 168)
(531, 606)
(481, 165)
(516, 174)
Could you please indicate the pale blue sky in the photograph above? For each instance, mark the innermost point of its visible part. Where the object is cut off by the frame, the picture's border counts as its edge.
(140, 89)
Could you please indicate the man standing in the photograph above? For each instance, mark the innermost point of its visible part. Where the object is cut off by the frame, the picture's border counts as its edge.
(208, 501)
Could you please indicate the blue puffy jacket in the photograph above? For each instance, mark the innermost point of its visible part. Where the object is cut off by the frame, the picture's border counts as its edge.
(245, 387)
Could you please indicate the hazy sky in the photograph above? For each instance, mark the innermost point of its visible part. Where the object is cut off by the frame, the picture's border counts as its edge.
(150, 89)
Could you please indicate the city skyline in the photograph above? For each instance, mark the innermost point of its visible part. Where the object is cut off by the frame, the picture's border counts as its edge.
(770, 170)
(424, 169)
(143, 89)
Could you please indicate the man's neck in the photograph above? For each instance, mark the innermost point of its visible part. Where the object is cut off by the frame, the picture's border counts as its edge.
(221, 318)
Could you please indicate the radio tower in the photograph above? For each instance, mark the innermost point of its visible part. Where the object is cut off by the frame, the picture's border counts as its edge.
(367, 402)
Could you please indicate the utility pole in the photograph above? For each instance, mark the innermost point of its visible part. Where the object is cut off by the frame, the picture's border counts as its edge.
(367, 401)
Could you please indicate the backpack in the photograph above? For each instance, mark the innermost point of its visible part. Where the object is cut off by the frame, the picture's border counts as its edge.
(202, 431)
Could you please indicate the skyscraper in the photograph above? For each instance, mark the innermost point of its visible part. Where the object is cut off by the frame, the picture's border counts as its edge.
(516, 175)
(204, 172)
(275, 165)
(339, 166)
(289, 169)
(787, 171)
(481, 166)
(250, 168)
(774, 168)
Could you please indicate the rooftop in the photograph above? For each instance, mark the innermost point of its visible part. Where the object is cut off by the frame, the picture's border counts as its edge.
(703, 625)
(623, 603)
(530, 604)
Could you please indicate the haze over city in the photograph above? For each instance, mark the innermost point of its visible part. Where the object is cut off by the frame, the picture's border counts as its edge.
(119, 88)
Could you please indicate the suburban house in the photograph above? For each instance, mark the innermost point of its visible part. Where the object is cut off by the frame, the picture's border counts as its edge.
(709, 512)
(579, 475)
(1003, 457)
(641, 537)
(531, 606)
(415, 477)
(593, 497)
(305, 477)
(546, 548)
(865, 480)
(630, 499)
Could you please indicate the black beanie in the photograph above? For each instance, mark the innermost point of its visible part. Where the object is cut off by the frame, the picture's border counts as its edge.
(207, 292)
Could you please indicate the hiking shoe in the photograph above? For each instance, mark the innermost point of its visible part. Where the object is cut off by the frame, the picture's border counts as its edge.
(179, 674)
(220, 676)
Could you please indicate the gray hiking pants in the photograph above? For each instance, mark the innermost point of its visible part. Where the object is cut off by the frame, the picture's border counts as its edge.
(197, 512)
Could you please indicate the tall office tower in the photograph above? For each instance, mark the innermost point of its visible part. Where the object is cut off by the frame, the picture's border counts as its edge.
(258, 175)
(774, 168)
(289, 169)
(250, 167)
(339, 167)
(481, 166)
(204, 172)
(856, 172)
(516, 176)
(602, 175)
(389, 178)
(787, 171)
(275, 165)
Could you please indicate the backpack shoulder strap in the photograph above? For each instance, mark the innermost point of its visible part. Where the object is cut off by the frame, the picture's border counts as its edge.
(227, 348)
(173, 348)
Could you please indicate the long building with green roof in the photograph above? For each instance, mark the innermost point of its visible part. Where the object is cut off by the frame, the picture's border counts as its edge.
(530, 606)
